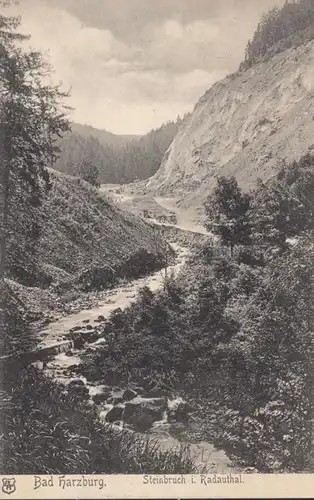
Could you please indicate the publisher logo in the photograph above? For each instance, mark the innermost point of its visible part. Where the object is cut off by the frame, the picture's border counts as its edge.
(8, 485)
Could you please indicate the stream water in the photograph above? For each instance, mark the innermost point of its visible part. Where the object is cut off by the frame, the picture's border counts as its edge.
(59, 366)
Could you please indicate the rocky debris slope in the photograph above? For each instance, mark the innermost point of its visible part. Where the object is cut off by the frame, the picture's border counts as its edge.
(84, 234)
(243, 126)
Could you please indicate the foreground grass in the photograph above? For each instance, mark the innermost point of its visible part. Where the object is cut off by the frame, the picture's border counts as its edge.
(45, 430)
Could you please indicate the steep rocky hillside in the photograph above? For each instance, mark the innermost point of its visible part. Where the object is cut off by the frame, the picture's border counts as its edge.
(83, 233)
(243, 125)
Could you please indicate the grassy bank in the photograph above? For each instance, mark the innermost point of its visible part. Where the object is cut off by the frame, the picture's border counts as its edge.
(45, 430)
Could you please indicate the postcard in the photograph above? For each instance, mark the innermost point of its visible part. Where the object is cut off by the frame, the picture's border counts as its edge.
(156, 249)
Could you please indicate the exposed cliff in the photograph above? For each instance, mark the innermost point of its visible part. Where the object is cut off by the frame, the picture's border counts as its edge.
(244, 125)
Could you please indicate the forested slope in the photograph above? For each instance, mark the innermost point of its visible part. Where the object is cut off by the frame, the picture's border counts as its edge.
(118, 159)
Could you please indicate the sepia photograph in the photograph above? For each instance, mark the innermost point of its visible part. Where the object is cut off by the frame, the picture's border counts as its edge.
(156, 243)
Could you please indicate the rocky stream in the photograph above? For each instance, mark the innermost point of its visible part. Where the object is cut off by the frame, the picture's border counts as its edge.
(164, 419)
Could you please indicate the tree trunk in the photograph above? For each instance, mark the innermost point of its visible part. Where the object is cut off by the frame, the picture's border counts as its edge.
(4, 206)
(166, 268)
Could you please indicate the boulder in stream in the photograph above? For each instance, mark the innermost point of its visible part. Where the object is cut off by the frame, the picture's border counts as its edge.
(177, 410)
(100, 319)
(77, 381)
(143, 412)
(129, 394)
(79, 390)
(115, 413)
(115, 400)
(101, 397)
(82, 336)
(78, 339)
(75, 329)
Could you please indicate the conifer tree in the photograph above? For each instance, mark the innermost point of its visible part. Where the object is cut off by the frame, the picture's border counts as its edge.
(227, 211)
(32, 118)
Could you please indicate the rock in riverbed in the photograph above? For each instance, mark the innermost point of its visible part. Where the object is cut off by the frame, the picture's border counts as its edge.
(115, 414)
(129, 394)
(77, 381)
(100, 319)
(82, 336)
(177, 410)
(115, 400)
(101, 397)
(78, 388)
(143, 412)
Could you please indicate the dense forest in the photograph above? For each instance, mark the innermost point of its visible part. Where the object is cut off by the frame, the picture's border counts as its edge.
(281, 29)
(121, 160)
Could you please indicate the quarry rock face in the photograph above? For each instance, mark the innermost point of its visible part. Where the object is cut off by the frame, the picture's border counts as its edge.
(243, 126)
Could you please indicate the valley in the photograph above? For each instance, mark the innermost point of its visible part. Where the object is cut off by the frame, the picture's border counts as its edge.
(64, 368)
(156, 291)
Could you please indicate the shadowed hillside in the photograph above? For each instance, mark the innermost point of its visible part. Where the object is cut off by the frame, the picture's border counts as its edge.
(82, 230)
(118, 159)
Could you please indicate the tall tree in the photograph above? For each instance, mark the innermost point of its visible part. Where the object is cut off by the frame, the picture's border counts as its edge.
(227, 211)
(279, 212)
(32, 118)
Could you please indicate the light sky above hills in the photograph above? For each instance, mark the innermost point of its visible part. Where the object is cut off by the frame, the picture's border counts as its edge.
(134, 64)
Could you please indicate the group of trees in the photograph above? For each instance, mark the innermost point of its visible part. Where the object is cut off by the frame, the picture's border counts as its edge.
(275, 211)
(280, 29)
(121, 161)
(227, 213)
(271, 350)
(32, 120)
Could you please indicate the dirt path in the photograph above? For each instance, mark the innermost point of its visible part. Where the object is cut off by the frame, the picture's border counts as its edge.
(186, 218)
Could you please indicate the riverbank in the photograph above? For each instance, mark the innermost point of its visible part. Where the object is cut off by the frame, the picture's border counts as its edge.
(67, 368)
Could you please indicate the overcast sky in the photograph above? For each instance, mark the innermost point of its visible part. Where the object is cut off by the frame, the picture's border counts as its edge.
(134, 64)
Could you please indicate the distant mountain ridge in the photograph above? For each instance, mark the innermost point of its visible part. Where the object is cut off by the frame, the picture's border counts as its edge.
(105, 138)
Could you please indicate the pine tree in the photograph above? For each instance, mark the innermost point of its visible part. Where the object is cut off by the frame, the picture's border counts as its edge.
(31, 120)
